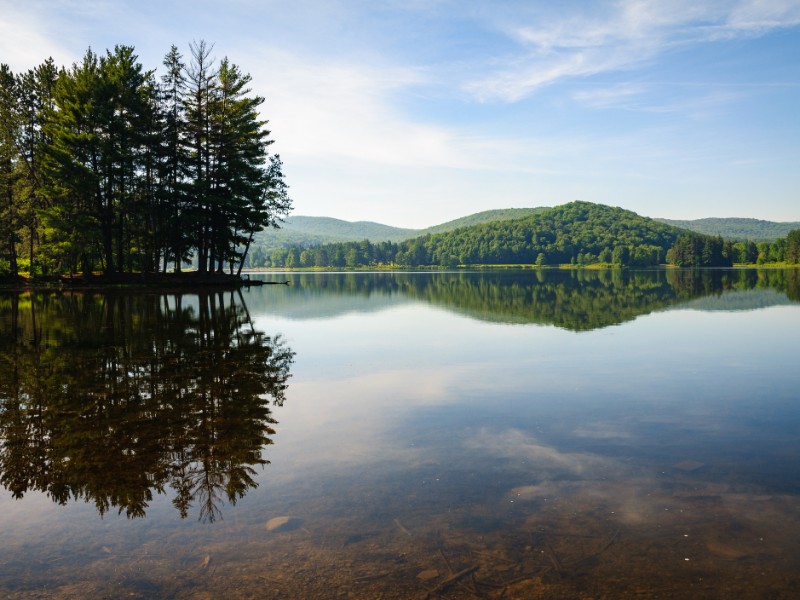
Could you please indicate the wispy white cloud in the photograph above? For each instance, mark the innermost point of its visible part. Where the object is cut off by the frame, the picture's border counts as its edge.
(25, 40)
(329, 108)
(758, 16)
(621, 36)
(660, 98)
(348, 111)
(32, 31)
(618, 96)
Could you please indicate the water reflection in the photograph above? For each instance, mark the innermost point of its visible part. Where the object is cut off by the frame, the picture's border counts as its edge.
(424, 454)
(111, 398)
(577, 300)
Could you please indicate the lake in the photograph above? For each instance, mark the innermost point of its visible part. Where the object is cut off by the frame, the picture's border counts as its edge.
(498, 434)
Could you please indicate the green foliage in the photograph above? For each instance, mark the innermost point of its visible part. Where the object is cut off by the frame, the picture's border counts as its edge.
(314, 231)
(574, 299)
(696, 250)
(783, 250)
(792, 252)
(736, 229)
(578, 233)
(25, 102)
(487, 216)
(102, 167)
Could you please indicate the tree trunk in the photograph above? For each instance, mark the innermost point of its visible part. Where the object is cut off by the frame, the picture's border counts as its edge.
(32, 233)
(244, 255)
(12, 254)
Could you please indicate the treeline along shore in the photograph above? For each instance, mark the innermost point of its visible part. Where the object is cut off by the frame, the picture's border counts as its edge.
(107, 168)
(578, 233)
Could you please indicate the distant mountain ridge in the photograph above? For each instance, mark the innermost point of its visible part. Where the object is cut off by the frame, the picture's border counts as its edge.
(308, 231)
(737, 229)
(577, 233)
(312, 231)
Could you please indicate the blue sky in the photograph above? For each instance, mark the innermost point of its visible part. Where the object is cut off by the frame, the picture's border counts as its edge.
(417, 112)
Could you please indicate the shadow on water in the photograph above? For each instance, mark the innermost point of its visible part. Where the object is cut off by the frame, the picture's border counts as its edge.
(111, 398)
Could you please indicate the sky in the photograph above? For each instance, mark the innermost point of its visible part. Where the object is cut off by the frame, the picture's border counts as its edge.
(412, 113)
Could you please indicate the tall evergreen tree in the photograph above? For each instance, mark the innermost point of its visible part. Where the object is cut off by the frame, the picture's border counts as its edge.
(96, 147)
(9, 221)
(174, 164)
(272, 205)
(149, 226)
(240, 151)
(106, 167)
(792, 252)
(35, 99)
(200, 98)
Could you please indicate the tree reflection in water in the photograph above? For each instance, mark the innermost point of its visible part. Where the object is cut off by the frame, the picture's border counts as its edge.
(576, 300)
(110, 397)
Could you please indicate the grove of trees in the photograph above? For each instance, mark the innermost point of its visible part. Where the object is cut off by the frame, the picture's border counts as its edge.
(579, 233)
(106, 167)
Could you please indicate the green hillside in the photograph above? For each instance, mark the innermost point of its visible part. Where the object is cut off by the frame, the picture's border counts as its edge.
(487, 216)
(576, 233)
(737, 229)
(312, 231)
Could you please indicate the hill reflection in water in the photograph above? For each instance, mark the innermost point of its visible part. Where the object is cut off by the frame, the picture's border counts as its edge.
(437, 424)
(576, 300)
(111, 398)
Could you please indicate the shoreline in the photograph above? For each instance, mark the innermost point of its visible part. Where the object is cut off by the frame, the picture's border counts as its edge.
(184, 280)
(195, 280)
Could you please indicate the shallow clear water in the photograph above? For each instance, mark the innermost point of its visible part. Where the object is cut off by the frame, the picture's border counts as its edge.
(502, 434)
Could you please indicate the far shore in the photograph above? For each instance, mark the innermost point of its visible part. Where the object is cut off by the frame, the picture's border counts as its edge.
(194, 279)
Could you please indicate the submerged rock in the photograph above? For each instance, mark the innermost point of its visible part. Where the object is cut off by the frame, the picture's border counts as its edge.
(727, 551)
(284, 523)
(428, 574)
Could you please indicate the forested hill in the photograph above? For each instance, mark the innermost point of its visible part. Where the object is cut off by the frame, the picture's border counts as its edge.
(487, 216)
(308, 231)
(312, 231)
(737, 229)
(577, 233)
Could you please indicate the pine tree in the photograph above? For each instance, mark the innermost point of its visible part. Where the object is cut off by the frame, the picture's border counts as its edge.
(35, 103)
(9, 214)
(174, 164)
(792, 253)
(96, 152)
(103, 166)
(200, 97)
(269, 207)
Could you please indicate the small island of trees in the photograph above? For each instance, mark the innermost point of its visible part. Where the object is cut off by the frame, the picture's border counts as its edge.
(106, 168)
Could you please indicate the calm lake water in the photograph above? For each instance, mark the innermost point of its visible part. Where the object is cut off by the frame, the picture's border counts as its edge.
(536, 434)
